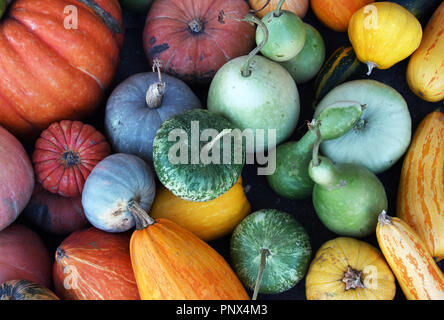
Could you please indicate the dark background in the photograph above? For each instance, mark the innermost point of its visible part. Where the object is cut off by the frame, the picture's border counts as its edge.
(260, 195)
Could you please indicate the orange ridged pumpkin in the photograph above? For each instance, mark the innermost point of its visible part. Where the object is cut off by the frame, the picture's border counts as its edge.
(336, 14)
(51, 67)
(421, 188)
(299, 7)
(171, 263)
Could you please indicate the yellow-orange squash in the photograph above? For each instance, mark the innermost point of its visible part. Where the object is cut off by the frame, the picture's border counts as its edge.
(417, 273)
(421, 188)
(425, 73)
(208, 220)
(349, 269)
(384, 33)
(336, 14)
(299, 7)
(171, 263)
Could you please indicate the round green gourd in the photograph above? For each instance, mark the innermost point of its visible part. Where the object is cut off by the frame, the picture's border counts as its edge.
(194, 180)
(306, 64)
(286, 245)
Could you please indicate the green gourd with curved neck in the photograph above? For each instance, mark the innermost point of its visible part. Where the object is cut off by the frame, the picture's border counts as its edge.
(291, 179)
(347, 197)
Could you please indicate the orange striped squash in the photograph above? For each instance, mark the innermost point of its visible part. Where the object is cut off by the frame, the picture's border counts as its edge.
(421, 189)
(171, 263)
(425, 72)
(298, 7)
(417, 273)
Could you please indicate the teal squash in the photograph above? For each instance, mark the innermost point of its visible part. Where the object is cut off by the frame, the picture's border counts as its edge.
(306, 64)
(291, 179)
(25, 290)
(280, 241)
(190, 164)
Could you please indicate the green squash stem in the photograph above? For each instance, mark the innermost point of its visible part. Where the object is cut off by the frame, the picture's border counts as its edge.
(142, 218)
(264, 254)
(278, 11)
(156, 91)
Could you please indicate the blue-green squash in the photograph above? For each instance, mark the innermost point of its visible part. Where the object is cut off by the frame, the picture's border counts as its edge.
(193, 166)
(276, 239)
(113, 184)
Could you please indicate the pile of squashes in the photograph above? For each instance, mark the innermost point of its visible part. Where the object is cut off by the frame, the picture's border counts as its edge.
(137, 201)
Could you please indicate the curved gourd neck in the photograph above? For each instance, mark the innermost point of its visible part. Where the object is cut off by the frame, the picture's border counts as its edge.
(306, 143)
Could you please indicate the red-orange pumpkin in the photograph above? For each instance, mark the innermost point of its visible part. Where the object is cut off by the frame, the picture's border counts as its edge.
(95, 265)
(50, 70)
(65, 154)
(187, 36)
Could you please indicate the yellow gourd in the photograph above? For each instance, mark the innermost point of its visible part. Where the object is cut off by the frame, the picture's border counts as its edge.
(208, 220)
(349, 269)
(384, 33)
(425, 73)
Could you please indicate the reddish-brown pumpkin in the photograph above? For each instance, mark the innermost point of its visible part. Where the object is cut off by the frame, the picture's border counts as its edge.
(95, 265)
(50, 71)
(65, 154)
(187, 36)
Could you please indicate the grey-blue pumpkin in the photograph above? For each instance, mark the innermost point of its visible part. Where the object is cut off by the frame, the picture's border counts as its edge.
(139, 105)
(113, 184)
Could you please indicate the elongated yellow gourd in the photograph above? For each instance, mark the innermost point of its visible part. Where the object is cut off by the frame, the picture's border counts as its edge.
(421, 187)
(384, 33)
(417, 273)
(425, 73)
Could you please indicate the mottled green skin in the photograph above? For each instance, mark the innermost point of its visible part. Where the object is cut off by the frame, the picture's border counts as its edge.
(267, 99)
(195, 182)
(306, 64)
(347, 198)
(286, 36)
(291, 179)
(139, 7)
(25, 290)
(289, 247)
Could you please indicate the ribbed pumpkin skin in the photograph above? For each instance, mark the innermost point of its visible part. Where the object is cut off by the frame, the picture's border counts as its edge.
(208, 220)
(25, 290)
(299, 7)
(417, 273)
(171, 263)
(53, 213)
(65, 154)
(324, 278)
(336, 14)
(16, 178)
(64, 71)
(196, 56)
(425, 72)
(99, 263)
(23, 256)
(421, 188)
(397, 35)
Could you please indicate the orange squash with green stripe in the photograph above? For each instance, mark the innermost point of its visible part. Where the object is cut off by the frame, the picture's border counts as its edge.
(417, 273)
(421, 189)
(425, 72)
(171, 263)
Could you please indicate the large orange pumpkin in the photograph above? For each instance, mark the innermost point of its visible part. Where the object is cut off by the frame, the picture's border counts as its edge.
(336, 14)
(57, 57)
(188, 37)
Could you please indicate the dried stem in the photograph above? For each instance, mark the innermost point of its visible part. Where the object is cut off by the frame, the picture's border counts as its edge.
(156, 91)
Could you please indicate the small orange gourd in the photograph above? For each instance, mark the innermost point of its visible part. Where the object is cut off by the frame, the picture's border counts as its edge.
(421, 187)
(171, 263)
(417, 273)
(299, 7)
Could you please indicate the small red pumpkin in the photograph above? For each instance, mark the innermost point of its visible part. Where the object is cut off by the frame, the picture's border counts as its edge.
(95, 265)
(53, 213)
(65, 154)
(187, 36)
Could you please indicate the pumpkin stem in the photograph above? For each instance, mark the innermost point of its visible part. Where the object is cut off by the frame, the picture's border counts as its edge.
(314, 126)
(143, 220)
(264, 254)
(70, 158)
(384, 219)
(352, 279)
(371, 66)
(156, 91)
(196, 25)
(251, 18)
(278, 11)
